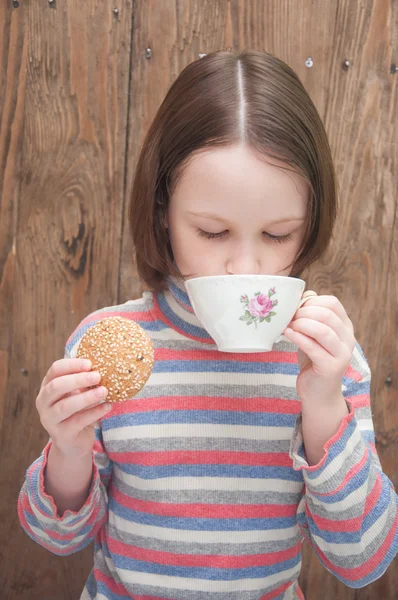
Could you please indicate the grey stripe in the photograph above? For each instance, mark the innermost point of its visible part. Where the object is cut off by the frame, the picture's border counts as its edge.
(358, 560)
(231, 391)
(190, 344)
(166, 444)
(335, 480)
(208, 496)
(354, 511)
(152, 543)
(175, 594)
(175, 344)
(363, 412)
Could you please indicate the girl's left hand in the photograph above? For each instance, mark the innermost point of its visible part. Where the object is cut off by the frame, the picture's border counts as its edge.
(325, 337)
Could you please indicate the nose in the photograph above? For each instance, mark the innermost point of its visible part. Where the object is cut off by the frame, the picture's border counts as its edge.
(243, 263)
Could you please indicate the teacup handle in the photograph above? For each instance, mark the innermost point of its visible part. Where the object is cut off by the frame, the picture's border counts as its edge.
(302, 301)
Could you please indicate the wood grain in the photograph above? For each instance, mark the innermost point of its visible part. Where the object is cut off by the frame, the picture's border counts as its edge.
(64, 101)
(77, 95)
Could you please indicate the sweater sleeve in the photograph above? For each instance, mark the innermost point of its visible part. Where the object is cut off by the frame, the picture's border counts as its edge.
(349, 510)
(37, 511)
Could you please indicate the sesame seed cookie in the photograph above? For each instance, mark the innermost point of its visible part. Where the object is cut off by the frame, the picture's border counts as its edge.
(122, 352)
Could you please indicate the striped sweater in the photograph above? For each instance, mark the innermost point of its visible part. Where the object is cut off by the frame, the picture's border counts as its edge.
(201, 489)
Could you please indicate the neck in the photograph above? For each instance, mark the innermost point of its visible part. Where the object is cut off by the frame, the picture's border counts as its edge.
(176, 309)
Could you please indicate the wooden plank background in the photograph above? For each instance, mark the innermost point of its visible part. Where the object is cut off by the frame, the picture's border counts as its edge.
(77, 94)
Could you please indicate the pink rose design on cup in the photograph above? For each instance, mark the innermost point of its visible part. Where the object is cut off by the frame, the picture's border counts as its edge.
(259, 308)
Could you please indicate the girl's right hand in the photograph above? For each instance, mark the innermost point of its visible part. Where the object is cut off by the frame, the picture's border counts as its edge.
(68, 411)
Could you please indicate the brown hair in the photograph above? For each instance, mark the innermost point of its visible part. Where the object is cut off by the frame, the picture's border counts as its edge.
(224, 98)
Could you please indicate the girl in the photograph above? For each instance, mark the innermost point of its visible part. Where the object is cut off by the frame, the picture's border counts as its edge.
(206, 483)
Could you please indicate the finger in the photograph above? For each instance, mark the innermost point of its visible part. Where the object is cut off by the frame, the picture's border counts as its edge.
(309, 293)
(66, 366)
(328, 317)
(65, 408)
(317, 354)
(321, 333)
(333, 304)
(57, 388)
(86, 418)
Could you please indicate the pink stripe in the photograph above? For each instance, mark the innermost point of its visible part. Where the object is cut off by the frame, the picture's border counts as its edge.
(67, 536)
(351, 525)
(114, 587)
(207, 511)
(143, 316)
(343, 424)
(120, 590)
(23, 509)
(362, 400)
(50, 499)
(203, 457)
(373, 448)
(202, 560)
(98, 447)
(249, 405)
(368, 566)
(277, 592)
(162, 317)
(351, 473)
(300, 593)
(353, 374)
(204, 355)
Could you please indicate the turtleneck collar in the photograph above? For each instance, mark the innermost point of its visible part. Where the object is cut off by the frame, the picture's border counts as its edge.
(177, 311)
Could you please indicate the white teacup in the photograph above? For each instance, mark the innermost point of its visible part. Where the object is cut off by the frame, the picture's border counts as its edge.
(245, 313)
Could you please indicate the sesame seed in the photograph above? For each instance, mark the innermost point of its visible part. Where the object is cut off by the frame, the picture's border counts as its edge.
(113, 345)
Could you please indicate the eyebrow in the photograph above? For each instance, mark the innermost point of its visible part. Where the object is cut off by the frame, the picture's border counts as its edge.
(210, 215)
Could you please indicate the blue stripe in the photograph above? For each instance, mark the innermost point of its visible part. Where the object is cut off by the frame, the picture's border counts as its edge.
(204, 470)
(201, 524)
(105, 591)
(179, 294)
(33, 483)
(368, 436)
(355, 483)
(91, 586)
(227, 366)
(355, 388)
(367, 521)
(219, 417)
(82, 329)
(338, 447)
(205, 573)
(32, 520)
(379, 570)
(380, 507)
(177, 321)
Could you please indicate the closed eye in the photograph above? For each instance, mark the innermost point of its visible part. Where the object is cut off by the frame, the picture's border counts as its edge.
(274, 238)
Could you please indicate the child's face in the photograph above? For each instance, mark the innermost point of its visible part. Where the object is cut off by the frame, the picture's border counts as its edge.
(249, 196)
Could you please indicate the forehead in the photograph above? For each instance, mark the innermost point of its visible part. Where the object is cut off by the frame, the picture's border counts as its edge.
(220, 178)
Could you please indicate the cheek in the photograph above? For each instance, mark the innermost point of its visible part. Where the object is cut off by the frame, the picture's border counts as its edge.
(194, 255)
